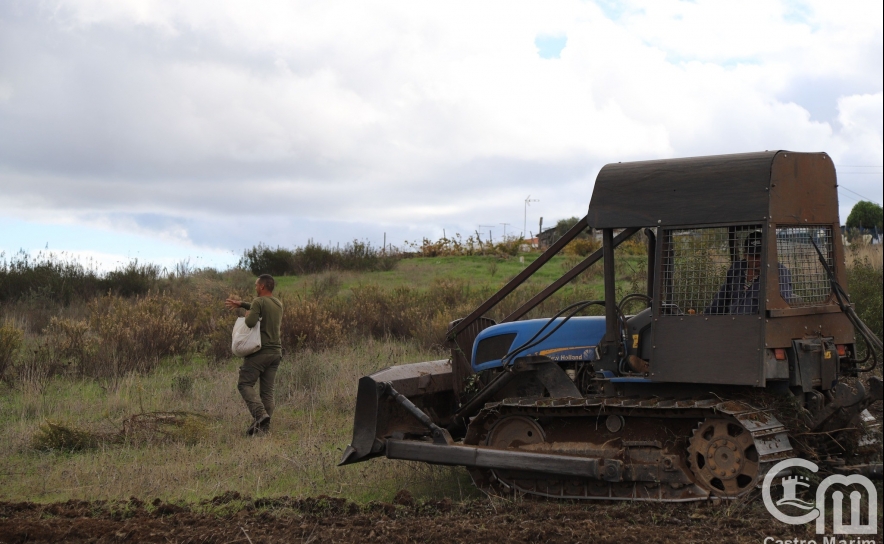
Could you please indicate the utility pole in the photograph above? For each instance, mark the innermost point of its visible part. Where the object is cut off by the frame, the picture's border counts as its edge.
(528, 200)
(504, 230)
(489, 227)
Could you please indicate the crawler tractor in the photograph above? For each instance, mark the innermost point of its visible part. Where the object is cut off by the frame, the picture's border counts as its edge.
(742, 351)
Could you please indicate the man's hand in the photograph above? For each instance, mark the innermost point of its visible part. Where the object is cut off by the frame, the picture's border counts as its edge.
(232, 303)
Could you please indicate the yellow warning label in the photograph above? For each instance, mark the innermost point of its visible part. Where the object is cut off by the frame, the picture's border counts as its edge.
(634, 341)
(828, 354)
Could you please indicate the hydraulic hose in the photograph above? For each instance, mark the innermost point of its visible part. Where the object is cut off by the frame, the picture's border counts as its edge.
(871, 340)
(534, 341)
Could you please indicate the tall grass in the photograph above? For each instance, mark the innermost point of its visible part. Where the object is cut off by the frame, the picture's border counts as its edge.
(311, 426)
(865, 280)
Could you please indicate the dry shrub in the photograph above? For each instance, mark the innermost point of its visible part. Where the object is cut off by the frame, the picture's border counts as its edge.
(72, 343)
(326, 285)
(10, 342)
(52, 436)
(430, 332)
(139, 331)
(216, 343)
(308, 324)
(138, 429)
(581, 246)
(448, 292)
(636, 245)
(378, 313)
(870, 255)
(153, 427)
(36, 367)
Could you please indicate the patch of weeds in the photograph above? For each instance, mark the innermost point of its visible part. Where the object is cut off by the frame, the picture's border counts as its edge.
(153, 427)
(52, 436)
(182, 385)
(139, 429)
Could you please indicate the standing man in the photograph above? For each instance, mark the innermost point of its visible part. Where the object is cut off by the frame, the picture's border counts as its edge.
(262, 365)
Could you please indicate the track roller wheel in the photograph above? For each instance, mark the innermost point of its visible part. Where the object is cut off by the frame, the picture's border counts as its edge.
(723, 458)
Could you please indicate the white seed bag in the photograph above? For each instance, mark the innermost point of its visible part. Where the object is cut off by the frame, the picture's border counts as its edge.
(245, 340)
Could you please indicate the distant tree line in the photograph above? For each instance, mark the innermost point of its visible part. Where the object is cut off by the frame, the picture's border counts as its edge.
(312, 258)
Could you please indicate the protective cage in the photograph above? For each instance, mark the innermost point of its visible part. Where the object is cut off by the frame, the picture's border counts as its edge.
(697, 263)
(796, 252)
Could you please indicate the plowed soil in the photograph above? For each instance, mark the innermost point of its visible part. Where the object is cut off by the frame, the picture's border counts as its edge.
(232, 518)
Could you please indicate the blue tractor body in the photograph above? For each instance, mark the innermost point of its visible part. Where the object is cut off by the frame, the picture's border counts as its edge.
(574, 340)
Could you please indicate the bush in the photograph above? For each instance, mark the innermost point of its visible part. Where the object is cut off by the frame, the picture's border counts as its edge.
(10, 342)
(46, 276)
(263, 260)
(56, 279)
(308, 324)
(865, 281)
(581, 246)
(133, 279)
(313, 258)
(136, 333)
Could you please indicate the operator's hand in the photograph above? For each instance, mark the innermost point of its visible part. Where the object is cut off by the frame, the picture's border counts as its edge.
(232, 303)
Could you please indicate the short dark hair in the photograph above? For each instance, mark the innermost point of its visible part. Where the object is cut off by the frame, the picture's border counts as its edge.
(267, 281)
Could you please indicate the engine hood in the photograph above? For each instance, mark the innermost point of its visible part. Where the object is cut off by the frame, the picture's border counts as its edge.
(575, 340)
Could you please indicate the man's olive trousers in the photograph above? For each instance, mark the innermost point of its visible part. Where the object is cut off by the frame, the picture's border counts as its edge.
(262, 368)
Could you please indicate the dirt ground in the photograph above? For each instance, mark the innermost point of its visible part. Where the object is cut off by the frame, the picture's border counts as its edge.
(231, 518)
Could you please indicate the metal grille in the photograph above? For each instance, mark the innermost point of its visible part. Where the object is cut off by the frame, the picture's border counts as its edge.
(696, 264)
(797, 254)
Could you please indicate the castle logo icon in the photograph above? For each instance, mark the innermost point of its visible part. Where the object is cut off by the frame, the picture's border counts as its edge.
(816, 510)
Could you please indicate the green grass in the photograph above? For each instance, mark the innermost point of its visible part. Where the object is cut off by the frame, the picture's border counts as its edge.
(312, 425)
(480, 272)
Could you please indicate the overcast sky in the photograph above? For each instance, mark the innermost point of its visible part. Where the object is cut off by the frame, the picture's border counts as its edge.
(162, 130)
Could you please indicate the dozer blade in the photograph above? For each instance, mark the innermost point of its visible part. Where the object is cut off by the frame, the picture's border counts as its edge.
(428, 385)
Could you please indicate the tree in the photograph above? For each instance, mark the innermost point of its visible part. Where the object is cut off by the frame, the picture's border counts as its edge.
(564, 225)
(865, 213)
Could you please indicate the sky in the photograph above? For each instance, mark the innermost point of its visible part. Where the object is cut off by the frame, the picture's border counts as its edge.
(167, 131)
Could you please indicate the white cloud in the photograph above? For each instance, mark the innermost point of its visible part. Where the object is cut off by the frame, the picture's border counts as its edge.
(198, 120)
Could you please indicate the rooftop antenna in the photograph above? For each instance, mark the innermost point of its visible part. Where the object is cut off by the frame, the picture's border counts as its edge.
(528, 201)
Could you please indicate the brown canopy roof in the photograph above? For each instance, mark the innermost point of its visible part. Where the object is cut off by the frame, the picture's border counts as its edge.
(690, 191)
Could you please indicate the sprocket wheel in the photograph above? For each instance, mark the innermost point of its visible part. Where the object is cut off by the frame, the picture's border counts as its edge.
(723, 457)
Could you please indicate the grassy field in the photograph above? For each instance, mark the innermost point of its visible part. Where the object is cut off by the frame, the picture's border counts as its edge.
(340, 326)
(210, 454)
(481, 272)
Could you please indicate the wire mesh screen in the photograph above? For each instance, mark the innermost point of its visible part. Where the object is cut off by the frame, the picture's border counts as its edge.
(699, 269)
(804, 281)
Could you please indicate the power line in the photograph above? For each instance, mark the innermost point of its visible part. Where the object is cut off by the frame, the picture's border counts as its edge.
(854, 192)
(850, 198)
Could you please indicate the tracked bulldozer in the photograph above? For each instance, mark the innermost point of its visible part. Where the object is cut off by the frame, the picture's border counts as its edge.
(742, 351)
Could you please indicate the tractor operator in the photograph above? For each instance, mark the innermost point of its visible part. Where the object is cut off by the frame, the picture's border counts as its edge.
(263, 364)
(739, 294)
